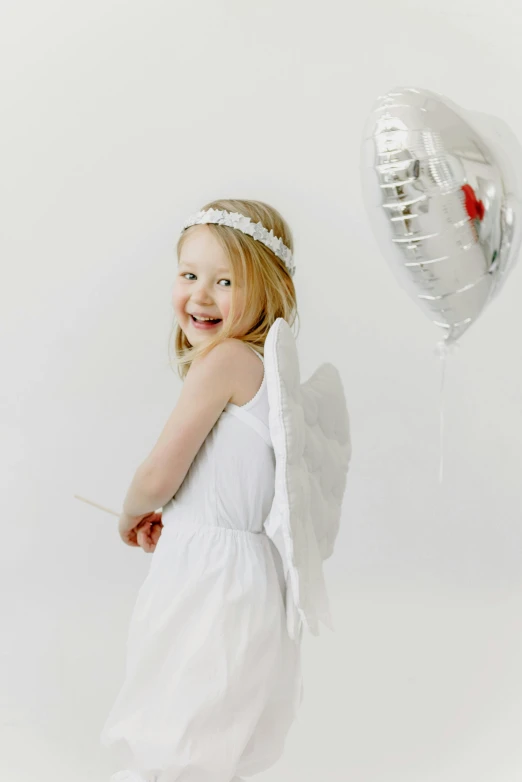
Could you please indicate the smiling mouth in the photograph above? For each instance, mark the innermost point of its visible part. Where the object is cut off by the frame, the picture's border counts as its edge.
(204, 320)
(202, 324)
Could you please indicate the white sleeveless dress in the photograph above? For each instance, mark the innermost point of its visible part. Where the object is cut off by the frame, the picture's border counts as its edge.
(213, 679)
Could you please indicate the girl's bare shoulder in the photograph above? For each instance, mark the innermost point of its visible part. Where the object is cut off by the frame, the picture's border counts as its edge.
(248, 374)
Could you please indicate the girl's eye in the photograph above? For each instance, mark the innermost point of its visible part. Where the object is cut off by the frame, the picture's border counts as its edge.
(192, 275)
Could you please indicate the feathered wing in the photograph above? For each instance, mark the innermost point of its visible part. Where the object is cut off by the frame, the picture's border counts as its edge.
(309, 427)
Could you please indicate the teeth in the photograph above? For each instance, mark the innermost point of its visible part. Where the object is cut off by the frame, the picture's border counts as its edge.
(203, 319)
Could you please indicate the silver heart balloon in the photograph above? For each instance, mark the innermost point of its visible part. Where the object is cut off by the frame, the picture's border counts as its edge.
(442, 188)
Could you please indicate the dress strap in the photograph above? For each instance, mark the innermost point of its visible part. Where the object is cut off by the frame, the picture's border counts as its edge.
(251, 420)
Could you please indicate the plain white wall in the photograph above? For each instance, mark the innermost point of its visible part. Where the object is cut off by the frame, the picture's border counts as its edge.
(118, 120)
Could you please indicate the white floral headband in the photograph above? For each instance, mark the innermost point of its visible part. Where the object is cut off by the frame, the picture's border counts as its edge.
(242, 223)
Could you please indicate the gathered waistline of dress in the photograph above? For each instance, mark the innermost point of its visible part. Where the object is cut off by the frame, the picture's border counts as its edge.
(190, 524)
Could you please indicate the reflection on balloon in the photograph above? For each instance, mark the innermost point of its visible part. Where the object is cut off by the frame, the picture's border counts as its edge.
(443, 192)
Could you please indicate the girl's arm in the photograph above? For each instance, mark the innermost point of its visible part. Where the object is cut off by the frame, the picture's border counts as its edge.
(140, 497)
(208, 387)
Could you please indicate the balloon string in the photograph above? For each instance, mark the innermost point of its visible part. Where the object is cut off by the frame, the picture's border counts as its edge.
(443, 350)
(443, 357)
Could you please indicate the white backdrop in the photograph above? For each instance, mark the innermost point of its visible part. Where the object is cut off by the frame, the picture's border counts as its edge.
(119, 119)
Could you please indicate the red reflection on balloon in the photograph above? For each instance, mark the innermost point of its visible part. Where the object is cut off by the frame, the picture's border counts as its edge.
(474, 207)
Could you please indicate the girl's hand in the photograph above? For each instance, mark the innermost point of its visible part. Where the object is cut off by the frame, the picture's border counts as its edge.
(148, 527)
(149, 532)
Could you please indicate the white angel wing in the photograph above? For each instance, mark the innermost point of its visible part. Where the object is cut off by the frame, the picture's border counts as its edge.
(309, 427)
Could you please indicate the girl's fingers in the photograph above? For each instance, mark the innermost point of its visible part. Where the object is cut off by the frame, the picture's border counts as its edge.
(142, 536)
(146, 537)
(147, 533)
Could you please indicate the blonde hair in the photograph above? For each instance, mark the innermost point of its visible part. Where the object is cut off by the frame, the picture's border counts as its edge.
(270, 288)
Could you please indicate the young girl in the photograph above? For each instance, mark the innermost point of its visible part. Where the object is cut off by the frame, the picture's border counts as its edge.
(213, 677)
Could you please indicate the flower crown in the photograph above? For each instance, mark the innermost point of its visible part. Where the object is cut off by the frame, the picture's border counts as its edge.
(242, 223)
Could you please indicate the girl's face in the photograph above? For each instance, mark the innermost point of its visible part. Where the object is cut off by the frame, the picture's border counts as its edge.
(203, 286)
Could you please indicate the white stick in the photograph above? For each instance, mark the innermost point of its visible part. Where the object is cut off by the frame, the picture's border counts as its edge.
(108, 510)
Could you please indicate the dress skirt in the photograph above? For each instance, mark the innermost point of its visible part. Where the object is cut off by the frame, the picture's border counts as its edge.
(213, 680)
